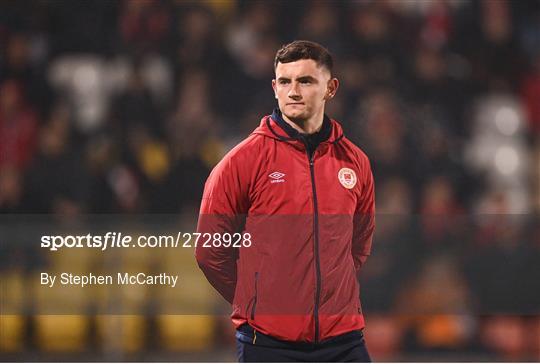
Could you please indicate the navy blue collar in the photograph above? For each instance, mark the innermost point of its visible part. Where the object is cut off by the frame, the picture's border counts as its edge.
(316, 138)
(311, 141)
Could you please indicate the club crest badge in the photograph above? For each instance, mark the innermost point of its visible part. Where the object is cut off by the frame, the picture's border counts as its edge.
(347, 178)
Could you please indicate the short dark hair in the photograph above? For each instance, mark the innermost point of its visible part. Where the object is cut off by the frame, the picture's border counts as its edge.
(304, 49)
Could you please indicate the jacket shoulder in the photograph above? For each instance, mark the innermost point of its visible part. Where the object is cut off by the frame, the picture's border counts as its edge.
(230, 179)
(246, 149)
(240, 158)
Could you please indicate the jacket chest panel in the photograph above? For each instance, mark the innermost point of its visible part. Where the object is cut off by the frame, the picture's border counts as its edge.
(338, 185)
(283, 184)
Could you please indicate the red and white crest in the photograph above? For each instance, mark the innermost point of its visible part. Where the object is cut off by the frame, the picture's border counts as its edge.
(347, 178)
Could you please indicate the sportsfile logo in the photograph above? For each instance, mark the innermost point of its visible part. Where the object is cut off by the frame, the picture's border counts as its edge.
(276, 177)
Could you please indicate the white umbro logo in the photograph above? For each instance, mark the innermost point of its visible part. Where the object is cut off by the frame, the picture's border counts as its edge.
(276, 177)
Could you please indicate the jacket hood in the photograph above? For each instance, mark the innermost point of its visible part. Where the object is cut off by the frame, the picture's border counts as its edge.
(270, 128)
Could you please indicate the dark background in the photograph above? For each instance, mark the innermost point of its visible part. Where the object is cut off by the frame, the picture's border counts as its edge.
(125, 106)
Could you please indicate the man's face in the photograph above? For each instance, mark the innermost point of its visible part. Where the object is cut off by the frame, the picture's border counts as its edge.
(302, 88)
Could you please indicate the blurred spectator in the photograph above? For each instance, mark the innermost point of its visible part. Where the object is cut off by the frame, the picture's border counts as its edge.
(254, 22)
(18, 127)
(198, 44)
(492, 47)
(398, 245)
(251, 41)
(382, 133)
(321, 24)
(136, 106)
(440, 215)
(373, 40)
(144, 26)
(57, 181)
(193, 132)
(11, 190)
(530, 93)
(23, 61)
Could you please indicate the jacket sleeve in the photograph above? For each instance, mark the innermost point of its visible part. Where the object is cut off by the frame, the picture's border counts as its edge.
(223, 209)
(364, 220)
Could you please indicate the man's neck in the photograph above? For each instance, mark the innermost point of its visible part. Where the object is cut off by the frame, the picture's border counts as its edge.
(308, 126)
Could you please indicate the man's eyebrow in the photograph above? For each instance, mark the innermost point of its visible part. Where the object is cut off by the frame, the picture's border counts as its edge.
(306, 78)
(300, 78)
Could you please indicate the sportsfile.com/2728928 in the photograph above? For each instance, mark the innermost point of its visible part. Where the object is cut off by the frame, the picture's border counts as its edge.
(120, 240)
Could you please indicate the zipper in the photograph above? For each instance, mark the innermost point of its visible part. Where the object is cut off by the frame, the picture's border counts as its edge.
(255, 300)
(316, 240)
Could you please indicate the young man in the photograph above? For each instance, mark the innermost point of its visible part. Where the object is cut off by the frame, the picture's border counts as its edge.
(304, 195)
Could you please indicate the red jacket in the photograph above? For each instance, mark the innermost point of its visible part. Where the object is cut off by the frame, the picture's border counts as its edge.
(311, 224)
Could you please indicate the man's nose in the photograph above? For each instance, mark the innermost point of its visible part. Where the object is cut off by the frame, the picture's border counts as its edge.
(294, 92)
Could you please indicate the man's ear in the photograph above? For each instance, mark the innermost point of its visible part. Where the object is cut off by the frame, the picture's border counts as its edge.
(331, 88)
(274, 87)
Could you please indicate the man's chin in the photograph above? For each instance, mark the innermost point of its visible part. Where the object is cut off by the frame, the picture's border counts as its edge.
(296, 117)
(300, 121)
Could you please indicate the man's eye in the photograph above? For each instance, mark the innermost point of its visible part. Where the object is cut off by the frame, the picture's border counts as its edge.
(283, 82)
(305, 82)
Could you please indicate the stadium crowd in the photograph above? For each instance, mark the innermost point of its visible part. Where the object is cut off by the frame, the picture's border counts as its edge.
(124, 107)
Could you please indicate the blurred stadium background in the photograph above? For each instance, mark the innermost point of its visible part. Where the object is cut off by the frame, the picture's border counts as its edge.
(123, 107)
